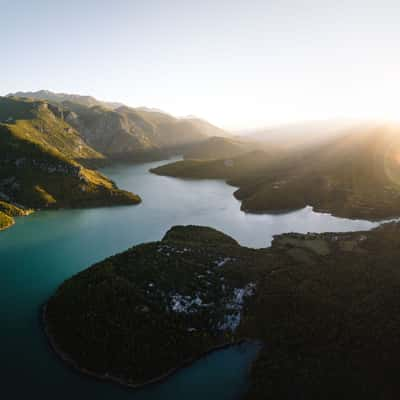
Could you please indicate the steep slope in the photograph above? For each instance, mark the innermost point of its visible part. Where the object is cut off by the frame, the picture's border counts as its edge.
(5, 221)
(43, 123)
(8, 212)
(207, 128)
(326, 307)
(38, 167)
(110, 132)
(128, 134)
(356, 175)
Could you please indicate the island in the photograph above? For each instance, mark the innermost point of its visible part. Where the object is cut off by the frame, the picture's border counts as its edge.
(325, 306)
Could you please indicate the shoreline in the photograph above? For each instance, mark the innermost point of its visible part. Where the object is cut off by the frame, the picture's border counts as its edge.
(8, 226)
(122, 382)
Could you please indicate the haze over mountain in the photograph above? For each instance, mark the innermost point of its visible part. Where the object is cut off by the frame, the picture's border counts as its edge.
(299, 135)
(356, 174)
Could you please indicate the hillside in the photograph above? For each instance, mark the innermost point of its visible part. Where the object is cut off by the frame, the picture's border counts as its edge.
(122, 133)
(5, 221)
(38, 161)
(217, 147)
(229, 169)
(207, 128)
(8, 212)
(324, 305)
(47, 95)
(355, 175)
(42, 123)
(127, 133)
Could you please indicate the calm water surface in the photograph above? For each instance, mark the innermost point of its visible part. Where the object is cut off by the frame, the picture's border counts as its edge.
(42, 250)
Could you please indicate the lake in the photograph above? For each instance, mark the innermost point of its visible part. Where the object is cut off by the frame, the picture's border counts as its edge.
(44, 249)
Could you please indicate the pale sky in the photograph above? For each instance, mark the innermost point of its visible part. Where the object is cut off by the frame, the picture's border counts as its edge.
(238, 64)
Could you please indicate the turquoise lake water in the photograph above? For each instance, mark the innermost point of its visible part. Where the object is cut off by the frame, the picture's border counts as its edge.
(44, 249)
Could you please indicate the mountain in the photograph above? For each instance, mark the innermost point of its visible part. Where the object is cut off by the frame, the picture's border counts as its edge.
(217, 148)
(324, 306)
(61, 97)
(205, 127)
(355, 175)
(39, 165)
(42, 122)
(299, 135)
(128, 134)
(228, 169)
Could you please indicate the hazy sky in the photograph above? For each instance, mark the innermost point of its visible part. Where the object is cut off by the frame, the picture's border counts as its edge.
(239, 64)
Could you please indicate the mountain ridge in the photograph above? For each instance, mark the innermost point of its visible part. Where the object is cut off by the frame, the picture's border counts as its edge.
(39, 163)
(124, 133)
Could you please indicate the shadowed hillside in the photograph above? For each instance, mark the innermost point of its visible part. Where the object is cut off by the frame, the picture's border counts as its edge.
(326, 307)
(355, 175)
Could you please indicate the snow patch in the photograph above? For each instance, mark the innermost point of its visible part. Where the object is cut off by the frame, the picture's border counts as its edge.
(232, 320)
(222, 262)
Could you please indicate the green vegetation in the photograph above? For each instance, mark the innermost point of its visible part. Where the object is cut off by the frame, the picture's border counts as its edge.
(356, 175)
(5, 221)
(129, 315)
(38, 167)
(12, 210)
(325, 305)
(121, 133)
(230, 169)
(8, 211)
(41, 123)
(50, 140)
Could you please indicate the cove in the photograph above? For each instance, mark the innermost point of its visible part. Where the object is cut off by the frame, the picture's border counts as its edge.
(44, 249)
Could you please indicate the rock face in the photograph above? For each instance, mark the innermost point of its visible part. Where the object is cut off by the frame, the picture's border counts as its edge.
(38, 161)
(126, 133)
(122, 133)
(325, 305)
